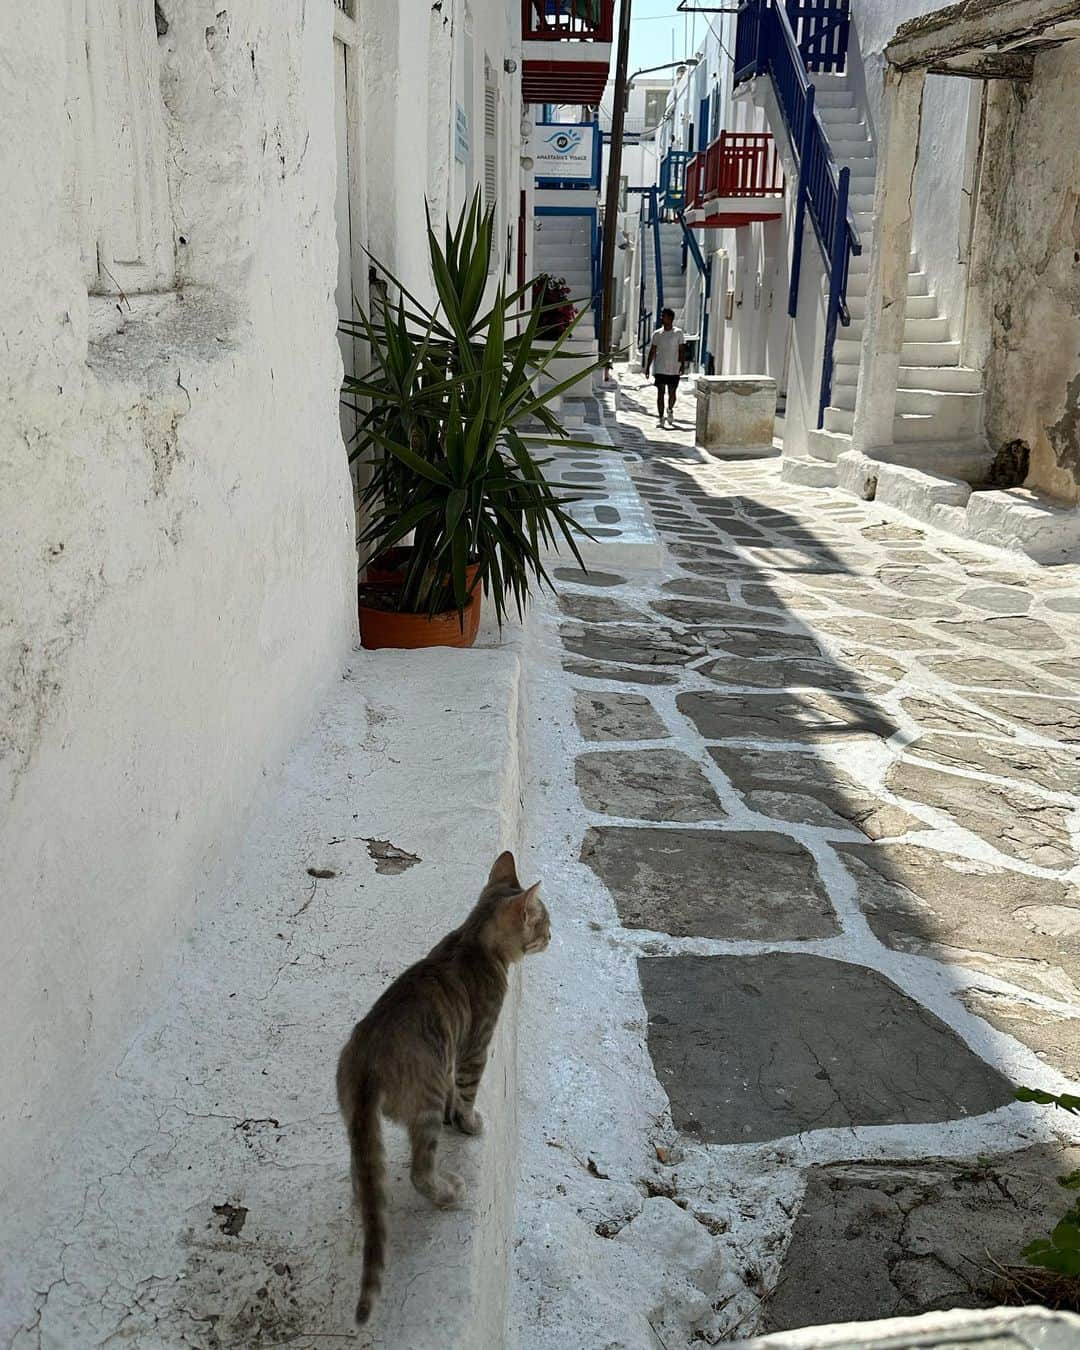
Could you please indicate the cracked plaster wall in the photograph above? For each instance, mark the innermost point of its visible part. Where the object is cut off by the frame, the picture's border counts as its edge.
(176, 521)
(1033, 375)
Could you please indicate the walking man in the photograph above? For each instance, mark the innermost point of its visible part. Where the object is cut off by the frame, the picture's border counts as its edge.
(667, 356)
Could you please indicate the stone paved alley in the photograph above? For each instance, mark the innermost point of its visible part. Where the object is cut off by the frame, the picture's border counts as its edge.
(826, 778)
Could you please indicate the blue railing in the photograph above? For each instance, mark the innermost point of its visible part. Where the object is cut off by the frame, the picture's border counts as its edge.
(766, 43)
(673, 180)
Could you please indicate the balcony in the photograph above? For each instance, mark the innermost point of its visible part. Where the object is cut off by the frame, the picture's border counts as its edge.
(566, 50)
(737, 180)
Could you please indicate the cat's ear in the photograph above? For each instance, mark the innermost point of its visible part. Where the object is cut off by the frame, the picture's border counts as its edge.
(526, 906)
(504, 872)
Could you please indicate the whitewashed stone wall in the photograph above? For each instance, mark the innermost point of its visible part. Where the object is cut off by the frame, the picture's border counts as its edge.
(175, 515)
(1033, 376)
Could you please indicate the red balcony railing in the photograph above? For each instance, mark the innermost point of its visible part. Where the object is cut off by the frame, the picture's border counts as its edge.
(558, 20)
(737, 164)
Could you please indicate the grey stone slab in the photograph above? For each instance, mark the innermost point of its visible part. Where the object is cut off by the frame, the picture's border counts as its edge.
(1015, 632)
(809, 716)
(884, 633)
(876, 1240)
(1055, 719)
(646, 785)
(793, 674)
(731, 884)
(997, 599)
(760, 1047)
(1057, 770)
(891, 532)
(634, 644)
(974, 672)
(1053, 1036)
(911, 555)
(916, 581)
(1063, 604)
(747, 642)
(1020, 928)
(902, 606)
(865, 662)
(1068, 670)
(590, 578)
(597, 670)
(617, 717)
(795, 786)
(774, 597)
(607, 515)
(699, 553)
(940, 714)
(700, 612)
(598, 609)
(698, 587)
(1009, 817)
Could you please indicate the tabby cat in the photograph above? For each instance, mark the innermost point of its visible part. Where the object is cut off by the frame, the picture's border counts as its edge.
(418, 1055)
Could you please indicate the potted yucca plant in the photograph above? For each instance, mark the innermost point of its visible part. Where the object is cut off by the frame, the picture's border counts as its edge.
(451, 465)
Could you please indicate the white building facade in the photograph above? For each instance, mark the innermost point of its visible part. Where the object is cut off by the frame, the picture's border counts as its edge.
(192, 194)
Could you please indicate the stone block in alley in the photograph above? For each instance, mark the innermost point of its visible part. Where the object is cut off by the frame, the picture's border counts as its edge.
(736, 414)
(750, 1048)
(876, 1240)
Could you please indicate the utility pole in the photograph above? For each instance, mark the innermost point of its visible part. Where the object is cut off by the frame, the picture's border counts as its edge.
(611, 206)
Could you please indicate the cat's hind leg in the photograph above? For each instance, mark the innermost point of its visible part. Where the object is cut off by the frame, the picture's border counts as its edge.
(443, 1190)
(470, 1068)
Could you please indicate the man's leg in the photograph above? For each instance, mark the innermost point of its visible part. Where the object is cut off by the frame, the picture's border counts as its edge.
(671, 399)
(659, 400)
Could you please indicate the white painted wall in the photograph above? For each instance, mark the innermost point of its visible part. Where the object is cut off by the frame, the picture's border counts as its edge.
(176, 512)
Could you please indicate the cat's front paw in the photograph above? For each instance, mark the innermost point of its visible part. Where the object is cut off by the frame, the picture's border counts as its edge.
(448, 1190)
(468, 1120)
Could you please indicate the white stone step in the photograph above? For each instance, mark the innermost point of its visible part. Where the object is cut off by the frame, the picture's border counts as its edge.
(955, 408)
(861, 263)
(827, 445)
(917, 282)
(935, 329)
(942, 379)
(861, 201)
(833, 98)
(915, 307)
(807, 472)
(834, 114)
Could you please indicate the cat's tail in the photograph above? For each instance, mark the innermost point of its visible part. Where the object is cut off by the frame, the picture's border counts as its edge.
(369, 1186)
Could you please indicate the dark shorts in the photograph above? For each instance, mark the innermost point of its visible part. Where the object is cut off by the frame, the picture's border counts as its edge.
(667, 382)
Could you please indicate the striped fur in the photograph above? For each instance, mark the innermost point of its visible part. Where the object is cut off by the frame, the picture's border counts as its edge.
(419, 1054)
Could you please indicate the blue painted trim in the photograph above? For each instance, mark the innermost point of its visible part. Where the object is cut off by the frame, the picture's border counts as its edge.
(838, 273)
(800, 205)
(658, 257)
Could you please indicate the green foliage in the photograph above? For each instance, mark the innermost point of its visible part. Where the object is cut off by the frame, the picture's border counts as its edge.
(1060, 1252)
(447, 393)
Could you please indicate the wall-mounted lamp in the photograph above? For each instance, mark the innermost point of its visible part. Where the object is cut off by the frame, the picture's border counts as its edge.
(509, 65)
(527, 163)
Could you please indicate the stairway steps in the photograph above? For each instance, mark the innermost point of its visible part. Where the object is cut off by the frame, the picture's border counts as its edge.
(917, 282)
(846, 352)
(954, 405)
(915, 307)
(942, 379)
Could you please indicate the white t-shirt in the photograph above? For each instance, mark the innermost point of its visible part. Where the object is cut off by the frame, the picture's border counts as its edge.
(667, 342)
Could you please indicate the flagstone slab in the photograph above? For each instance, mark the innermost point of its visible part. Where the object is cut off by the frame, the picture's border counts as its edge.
(916, 581)
(969, 913)
(617, 717)
(730, 884)
(1015, 632)
(876, 1240)
(590, 578)
(807, 788)
(700, 612)
(597, 670)
(882, 633)
(997, 599)
(1053, 1036)
(941, 714)
(646, 785)
(750, 1048)
(790, 674)
(710, 589)
(901, 606)
(892, 532)
(701, 553)
(599, 609)
(764, 644)
(1064, 670)
(1009, 817)
(1056, 770)
(865, 662)
(974, 672)
(809, 716)
(1054, 718)
(636, 644)
(1063, 604)
(772, 597)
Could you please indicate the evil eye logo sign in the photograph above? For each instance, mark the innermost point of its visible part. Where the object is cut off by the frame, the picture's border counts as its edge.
(564, 142)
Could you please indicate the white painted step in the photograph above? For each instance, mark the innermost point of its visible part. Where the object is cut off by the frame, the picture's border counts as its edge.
(935, 329)
(827, 445)
(957, 408)
(861, 263)
(911, 353)
(830, 98)
(915, 306)
(917, 282)
(808, 472)
(953, 420)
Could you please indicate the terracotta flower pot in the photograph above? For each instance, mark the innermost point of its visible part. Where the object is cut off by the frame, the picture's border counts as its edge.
(388, 569)
(383, 627)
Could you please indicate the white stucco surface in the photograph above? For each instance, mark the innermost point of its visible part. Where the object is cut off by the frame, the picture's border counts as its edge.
(175, 511)
(223, 1096)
